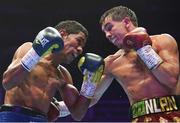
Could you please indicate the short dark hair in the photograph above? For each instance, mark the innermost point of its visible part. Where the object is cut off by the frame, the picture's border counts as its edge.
(72, 27)
(118, 13)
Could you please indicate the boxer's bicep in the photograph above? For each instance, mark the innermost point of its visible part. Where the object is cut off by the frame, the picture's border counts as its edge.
(167, 72)
(170, 55)
(69, 95)
(15, 73)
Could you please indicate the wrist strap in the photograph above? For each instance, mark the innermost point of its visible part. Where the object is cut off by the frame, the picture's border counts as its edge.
(63, 110)
(88, 89)
(30, 59)
(149, 57)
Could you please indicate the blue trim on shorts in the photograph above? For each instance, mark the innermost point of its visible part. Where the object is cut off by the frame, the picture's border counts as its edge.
(9, 116)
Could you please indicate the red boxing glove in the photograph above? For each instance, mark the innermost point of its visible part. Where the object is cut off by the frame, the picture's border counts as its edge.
(137, 39)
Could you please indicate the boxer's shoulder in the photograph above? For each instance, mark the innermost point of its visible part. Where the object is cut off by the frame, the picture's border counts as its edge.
(119, 54)
(168, 39)
(163, 40)
(113, 61)
(162, 36)
(25, 46)
(22, 50)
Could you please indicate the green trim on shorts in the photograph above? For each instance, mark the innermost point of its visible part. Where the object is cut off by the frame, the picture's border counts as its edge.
(156, 105)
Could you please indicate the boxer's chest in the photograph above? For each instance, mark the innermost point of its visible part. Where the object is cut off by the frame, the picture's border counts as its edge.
(43, 74)
(128, 67)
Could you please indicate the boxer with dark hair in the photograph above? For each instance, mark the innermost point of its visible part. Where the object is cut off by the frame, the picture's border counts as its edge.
(146, 66)
(35, 75)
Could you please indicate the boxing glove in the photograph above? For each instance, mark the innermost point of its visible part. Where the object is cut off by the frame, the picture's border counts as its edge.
(57, 109)
(47, 41)
(92, 67)
(139, 40)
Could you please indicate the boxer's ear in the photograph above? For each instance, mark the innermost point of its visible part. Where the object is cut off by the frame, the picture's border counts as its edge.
(63, 33)
(126, 21)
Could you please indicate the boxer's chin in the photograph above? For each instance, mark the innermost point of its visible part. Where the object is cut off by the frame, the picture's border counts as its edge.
(70, 59)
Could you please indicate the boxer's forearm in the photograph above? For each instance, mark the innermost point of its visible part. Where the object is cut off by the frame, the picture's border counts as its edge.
(167, 74)
(105, 82)
(14, 75)
(76, 103)
(80, 108)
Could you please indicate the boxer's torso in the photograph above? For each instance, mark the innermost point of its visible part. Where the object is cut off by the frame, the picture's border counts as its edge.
(37, 90)
(137, 81)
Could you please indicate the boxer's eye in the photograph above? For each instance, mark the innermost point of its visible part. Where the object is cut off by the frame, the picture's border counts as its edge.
(108, 27)
(80, 42)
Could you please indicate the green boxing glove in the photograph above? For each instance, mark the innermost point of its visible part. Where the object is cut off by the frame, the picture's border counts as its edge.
(47, 41)
(92, 67)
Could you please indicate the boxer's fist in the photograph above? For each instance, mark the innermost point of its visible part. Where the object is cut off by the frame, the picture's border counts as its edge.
(91, 63)
(57, 109)
(53, 112)
(47, 41)
(137, 39)
(92, 67)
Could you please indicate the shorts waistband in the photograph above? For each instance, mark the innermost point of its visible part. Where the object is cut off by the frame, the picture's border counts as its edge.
(156, 105)
(22, 110)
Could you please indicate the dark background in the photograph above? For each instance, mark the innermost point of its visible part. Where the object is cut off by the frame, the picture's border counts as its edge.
(20, 21)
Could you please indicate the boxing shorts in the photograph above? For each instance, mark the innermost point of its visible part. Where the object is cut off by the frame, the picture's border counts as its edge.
(9, 113)
(160, 109)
